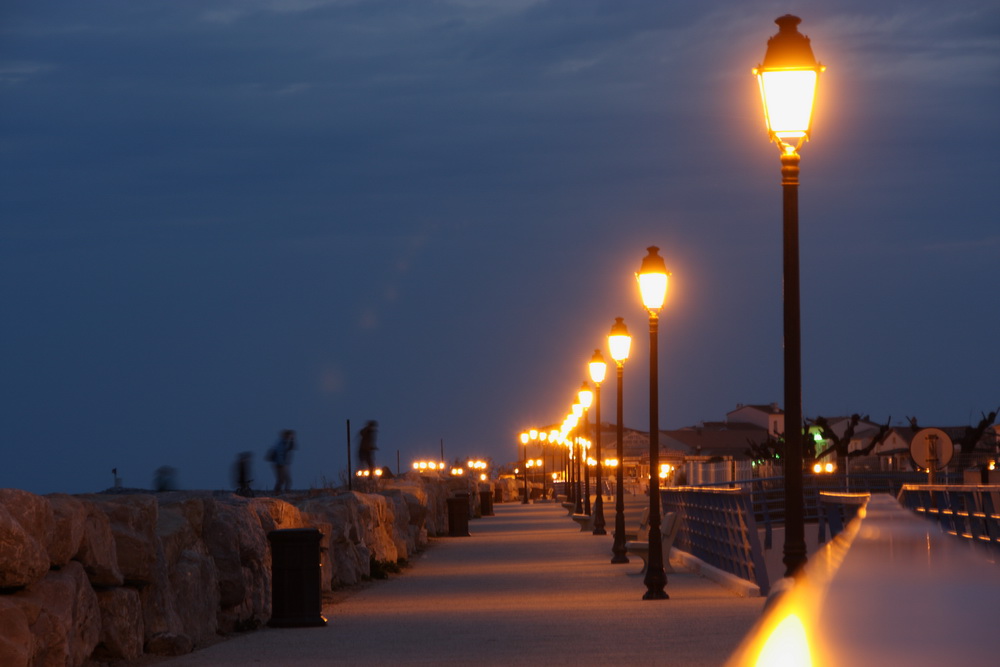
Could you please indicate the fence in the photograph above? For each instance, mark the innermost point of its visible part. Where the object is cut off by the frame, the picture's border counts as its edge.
(892, 590)
(969, 512)
(717, 526)
(768, 493)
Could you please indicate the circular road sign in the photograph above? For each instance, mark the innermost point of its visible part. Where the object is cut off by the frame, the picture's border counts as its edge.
(920, 448)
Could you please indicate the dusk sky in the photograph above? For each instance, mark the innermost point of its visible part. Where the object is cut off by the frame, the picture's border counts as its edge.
(224, 218)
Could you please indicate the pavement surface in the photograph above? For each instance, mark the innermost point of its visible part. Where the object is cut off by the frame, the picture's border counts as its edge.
(526, 588)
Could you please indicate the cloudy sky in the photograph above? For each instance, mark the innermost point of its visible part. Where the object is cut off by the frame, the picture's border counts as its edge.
(221, 218)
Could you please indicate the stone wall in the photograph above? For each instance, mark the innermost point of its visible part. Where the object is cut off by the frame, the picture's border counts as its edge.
(113, 576)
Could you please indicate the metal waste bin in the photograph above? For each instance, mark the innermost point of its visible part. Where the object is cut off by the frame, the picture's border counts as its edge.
(486, 502)
(458, 515)
(296, 578)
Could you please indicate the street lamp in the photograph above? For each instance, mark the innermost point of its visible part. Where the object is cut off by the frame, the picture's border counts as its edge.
(598, 369)
(787, 79)
(620, 342)
(652, 279)
(575, 443)
(586, 398)
(524, 449)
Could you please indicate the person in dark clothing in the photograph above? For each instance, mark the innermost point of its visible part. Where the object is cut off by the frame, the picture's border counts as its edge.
(366, 448)
(281, 456)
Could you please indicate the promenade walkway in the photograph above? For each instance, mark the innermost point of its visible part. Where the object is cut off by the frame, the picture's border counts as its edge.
(527, 588)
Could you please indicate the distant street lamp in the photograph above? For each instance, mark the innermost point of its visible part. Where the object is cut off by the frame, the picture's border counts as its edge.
(788, 78)
(620, 342)
(578, 491)
(652, 278)
(586, 397)
(598, 369)
(524, 449)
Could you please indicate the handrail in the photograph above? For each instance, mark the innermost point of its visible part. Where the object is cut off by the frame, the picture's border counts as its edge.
(718, 527)
(890, 589)
(837, 509)
(970, 512)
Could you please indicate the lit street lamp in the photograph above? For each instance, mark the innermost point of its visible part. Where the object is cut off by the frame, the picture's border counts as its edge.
(598, 368)
(652, 278)
(586, 397)
(787, 80)
(576, 442)
(620, 342)
(524, 449)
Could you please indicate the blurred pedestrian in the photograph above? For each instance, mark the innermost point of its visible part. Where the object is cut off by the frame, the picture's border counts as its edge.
(366, 448)
(281, 456)
(243, 474)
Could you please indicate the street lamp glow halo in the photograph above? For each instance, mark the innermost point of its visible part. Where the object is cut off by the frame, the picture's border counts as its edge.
(652, 277)
(585, 395)
(787, 79)
(598, 367)
(619, 341)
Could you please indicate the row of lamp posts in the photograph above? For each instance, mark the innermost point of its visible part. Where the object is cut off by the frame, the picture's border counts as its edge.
(787, 78)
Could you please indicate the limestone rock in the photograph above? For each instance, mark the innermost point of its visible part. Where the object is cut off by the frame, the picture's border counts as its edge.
(159, 615)
(168, 643)
(16, 640)
(400, 532)
(237, 543)
(70, 519)
(23, 558)
(63, 616)
(133, 523)
(97, 551)
(277, 514)
(122, 630)
(194, 588)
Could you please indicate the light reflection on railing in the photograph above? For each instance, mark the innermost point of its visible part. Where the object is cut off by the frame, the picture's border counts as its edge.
(890, 589)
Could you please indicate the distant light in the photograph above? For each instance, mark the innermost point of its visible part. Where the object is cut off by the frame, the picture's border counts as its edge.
(830, 467)
(619, 341)
(598, 367)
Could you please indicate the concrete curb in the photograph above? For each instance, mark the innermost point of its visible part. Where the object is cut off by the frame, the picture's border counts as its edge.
(741, 587)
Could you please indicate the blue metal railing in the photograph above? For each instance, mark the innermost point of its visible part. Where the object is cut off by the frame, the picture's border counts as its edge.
(768, 493)
(837, 509)
(969, 512)
(717, 526)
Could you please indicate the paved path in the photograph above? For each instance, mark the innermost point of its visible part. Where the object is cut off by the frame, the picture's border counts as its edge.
(527, 588)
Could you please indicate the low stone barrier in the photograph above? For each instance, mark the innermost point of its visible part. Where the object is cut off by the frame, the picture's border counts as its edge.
(113, 576)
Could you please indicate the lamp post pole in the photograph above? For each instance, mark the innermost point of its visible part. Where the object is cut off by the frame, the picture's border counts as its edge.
(652, 278)
(788, 79)
(597, 371)
(795, 542)
(585, 462)
(619, 341)
(586, 399)
(524, 465)
(579, 490)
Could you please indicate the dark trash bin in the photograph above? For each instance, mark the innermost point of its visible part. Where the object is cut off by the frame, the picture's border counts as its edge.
(498, 495)
(486, 502)
(458, 515)
(296, 578)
